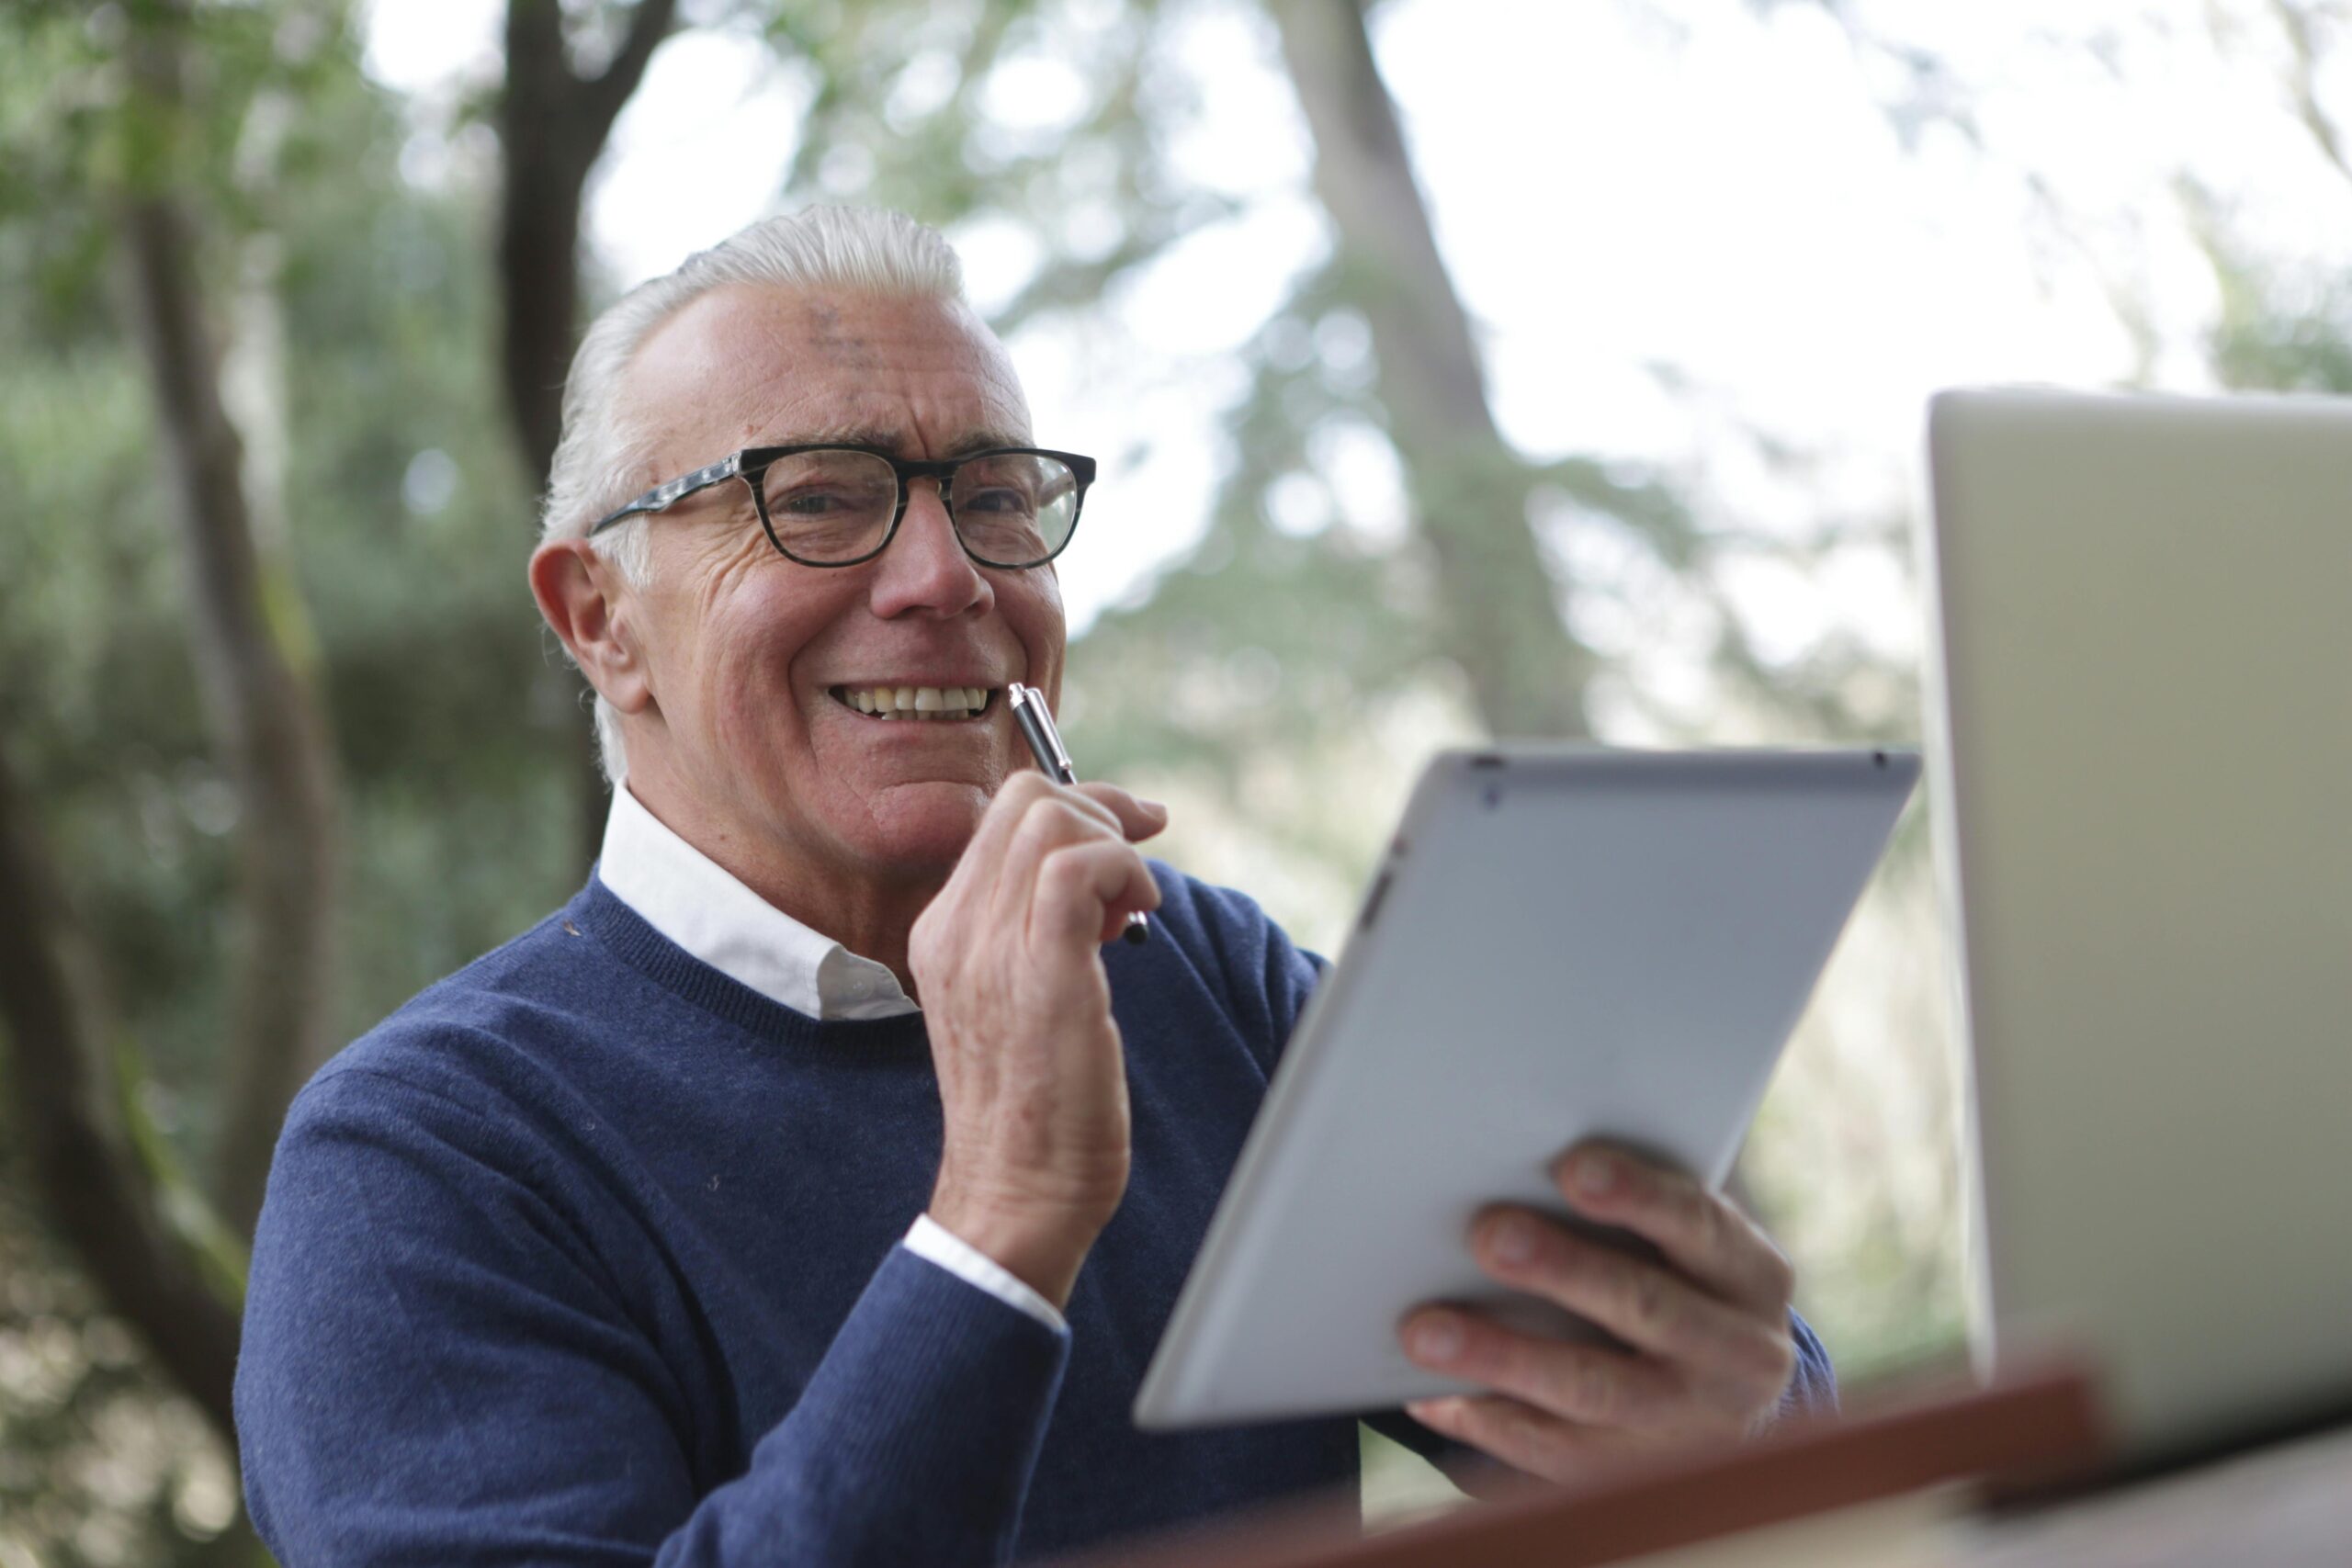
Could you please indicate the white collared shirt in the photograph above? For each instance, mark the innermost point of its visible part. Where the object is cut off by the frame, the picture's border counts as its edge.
(698, 904)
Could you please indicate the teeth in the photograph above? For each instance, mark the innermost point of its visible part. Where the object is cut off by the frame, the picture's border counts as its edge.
(929, 703)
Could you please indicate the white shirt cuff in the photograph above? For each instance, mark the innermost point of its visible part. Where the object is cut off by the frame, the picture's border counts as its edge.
(935, 1242)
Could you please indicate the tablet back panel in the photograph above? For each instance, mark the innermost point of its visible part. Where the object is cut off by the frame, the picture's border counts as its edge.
(2142, 724)
(1561, 946)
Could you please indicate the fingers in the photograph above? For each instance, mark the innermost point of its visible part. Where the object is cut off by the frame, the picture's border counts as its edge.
(1699, 1232)
(1068, 872)
(1084, 891)
(1025, 792)
(1730, 1355)
(1035, 1123)
(1703, 1326)
(1018, 795)
(1587, 1383)
(1519, 1434)
(1135, 818)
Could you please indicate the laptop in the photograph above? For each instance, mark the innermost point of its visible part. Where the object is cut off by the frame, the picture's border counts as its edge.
(2139, 749)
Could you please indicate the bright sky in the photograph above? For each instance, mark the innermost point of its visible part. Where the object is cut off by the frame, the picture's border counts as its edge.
(1632, 198)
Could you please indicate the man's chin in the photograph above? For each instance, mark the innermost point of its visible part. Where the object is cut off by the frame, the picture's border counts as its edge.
(921, 829)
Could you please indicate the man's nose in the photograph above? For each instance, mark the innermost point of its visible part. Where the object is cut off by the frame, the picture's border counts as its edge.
(926, 568)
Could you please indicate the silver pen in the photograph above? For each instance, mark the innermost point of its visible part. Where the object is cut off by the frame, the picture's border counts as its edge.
(1036, 727)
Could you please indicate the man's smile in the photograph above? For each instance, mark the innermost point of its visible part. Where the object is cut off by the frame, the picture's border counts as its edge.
(941, 703)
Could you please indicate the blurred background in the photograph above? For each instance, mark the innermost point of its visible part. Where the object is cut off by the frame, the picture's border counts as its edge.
(1458, 368)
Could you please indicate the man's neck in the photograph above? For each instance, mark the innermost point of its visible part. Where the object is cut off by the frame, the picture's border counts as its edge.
(871, 916)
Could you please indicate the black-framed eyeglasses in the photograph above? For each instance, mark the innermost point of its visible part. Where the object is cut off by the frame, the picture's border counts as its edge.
(1013, 507)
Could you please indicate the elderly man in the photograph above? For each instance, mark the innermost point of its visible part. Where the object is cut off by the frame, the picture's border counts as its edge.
(813, 1186)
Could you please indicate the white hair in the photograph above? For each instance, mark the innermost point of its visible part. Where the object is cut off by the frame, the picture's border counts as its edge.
(601, 458)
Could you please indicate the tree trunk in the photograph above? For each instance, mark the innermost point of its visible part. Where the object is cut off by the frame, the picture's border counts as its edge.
(552, 125)
(1469, 490)
(95, 1189)
(252, 652)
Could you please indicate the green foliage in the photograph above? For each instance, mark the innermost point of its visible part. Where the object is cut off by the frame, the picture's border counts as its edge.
(407, 525)
(1053, 117)
(2277, 331)
(1293, 628)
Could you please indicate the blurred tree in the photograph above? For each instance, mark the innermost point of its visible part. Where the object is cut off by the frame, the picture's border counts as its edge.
(295, 296)
(1501, 613)
(111, 1190)
(111, 1197)
(938, 109)
(553, 119)
(2282, 327)
(552, 122)
(1384, 571)
(247, 621)
(266, 732)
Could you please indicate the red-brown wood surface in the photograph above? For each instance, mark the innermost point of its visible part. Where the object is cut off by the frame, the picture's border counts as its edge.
(2026, 1431)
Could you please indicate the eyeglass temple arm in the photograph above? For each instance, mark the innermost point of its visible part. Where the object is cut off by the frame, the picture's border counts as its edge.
(662, 497)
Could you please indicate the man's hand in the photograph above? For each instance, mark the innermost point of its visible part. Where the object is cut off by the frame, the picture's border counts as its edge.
(1008, 963)
(1709, 1349)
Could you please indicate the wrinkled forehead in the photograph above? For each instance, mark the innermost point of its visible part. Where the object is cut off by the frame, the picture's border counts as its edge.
(751, 364)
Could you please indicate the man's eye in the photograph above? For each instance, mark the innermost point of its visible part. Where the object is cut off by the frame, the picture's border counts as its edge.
(821, 504)
(999, 502)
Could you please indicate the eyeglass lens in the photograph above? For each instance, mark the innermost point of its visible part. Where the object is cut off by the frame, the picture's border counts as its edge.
(1013, 509)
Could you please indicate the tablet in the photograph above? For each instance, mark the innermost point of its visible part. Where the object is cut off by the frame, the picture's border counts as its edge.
(1561, 943)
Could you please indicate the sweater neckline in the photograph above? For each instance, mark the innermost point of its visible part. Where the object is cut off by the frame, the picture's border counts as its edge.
(632, 939)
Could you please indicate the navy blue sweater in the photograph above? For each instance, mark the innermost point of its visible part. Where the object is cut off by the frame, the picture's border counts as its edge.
(588, 1255)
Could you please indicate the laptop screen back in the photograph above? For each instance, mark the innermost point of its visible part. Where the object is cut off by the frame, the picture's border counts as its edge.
(2140, 745)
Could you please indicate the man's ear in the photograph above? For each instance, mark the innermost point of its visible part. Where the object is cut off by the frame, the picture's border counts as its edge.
(583, 600)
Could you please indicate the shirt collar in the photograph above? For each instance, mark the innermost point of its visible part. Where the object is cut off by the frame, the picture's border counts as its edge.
(698, 904)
